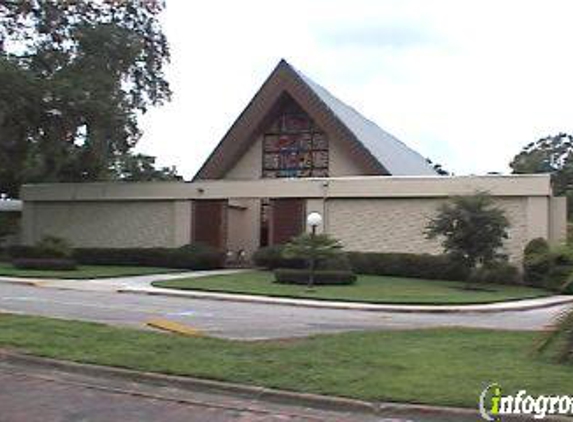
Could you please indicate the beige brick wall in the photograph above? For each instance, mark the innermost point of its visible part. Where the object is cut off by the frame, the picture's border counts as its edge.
(110, 224)
(397, 225)
(243, 229)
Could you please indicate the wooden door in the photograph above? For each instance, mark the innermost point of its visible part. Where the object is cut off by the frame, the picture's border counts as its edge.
(287, 219)
(210, 223)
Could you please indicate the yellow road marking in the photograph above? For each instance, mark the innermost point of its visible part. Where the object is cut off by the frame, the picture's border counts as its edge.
(174, 327)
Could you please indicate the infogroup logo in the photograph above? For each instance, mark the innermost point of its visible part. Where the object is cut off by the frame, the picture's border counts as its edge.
(493, 404)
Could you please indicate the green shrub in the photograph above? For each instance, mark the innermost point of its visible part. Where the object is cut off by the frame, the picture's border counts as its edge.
(194, 257)
(55, 246)
(547, 267)
(201, 256)
(497, 272)
(435, 267)
(50, 264)
(538, 262)
(321, 277)
(562, 255)
(567, 287)
(271, 257)
(338, 263)
(536, 246)
(9, 224)
(49, 247)
(557, 277)
(536, 268)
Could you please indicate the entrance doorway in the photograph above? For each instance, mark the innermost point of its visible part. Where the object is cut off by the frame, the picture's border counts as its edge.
(281, 220)
(210, 223)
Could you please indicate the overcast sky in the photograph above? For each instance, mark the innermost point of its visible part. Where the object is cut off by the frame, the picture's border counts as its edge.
(465, 83)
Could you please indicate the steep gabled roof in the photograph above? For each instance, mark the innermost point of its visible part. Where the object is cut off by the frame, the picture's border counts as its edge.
(379, 152)
(393, 154)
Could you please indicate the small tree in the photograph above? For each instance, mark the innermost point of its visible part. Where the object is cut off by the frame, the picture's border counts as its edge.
(313, 249)
(471, 227)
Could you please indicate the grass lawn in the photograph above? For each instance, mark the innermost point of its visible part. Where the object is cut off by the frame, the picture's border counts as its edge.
(438, 366)
(377, 289)
(83, 271)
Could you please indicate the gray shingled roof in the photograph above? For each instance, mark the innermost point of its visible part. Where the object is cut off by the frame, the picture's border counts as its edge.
(393, 154)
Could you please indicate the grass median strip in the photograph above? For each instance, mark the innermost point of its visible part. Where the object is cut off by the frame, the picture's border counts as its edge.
(83, 271)
(438, 366)
(374, 289)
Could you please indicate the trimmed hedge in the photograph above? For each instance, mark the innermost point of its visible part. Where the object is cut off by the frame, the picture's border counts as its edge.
(433, 267)
(271, 257)
(321, 277)
(500, 272)
(193, 257)
(51, 264)
(31, 252)
(47, 248)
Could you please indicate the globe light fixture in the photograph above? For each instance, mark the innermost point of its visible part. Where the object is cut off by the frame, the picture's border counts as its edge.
(313, 220)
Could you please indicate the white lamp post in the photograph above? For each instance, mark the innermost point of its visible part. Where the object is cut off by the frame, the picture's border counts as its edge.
(314, 220)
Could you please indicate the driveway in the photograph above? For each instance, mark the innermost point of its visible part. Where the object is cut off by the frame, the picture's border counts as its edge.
(242, 320)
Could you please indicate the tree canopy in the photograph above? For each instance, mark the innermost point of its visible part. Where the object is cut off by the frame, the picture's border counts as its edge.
(75, 76)
(552, 154)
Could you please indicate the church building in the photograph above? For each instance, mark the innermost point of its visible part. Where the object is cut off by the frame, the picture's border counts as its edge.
(295, 149)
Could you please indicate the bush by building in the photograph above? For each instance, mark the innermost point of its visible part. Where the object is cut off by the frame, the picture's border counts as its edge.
(194, 257)
(271, 257)
(51, 253)
(433, 267)
(547, 267)
(49, 264)
(496, 272)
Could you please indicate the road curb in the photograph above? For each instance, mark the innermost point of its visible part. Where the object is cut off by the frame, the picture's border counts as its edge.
(510, 306)
(21, 282)
(356, 306)
(245, 391)
(255, 393)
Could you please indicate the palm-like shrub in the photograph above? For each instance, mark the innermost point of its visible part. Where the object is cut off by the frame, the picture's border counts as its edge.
(560, 334)
(314, 249)
(309, 247)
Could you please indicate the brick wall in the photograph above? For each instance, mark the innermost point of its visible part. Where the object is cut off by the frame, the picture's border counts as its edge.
(397, 225)
(110, 224)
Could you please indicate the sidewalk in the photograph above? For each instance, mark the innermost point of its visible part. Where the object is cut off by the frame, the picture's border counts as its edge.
(142, 285)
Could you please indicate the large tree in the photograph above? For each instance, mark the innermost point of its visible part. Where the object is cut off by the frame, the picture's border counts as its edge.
(552, 154)
(75, 76)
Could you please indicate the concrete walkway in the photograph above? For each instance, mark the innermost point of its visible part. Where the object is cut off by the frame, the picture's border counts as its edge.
(111, 284)
(143, 285)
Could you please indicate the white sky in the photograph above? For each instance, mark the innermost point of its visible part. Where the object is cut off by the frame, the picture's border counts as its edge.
(465, 83)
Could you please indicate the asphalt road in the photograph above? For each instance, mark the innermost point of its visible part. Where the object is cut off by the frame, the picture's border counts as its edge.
(237, 320)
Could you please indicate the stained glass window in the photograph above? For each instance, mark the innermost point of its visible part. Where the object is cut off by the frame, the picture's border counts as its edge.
(294, 147)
